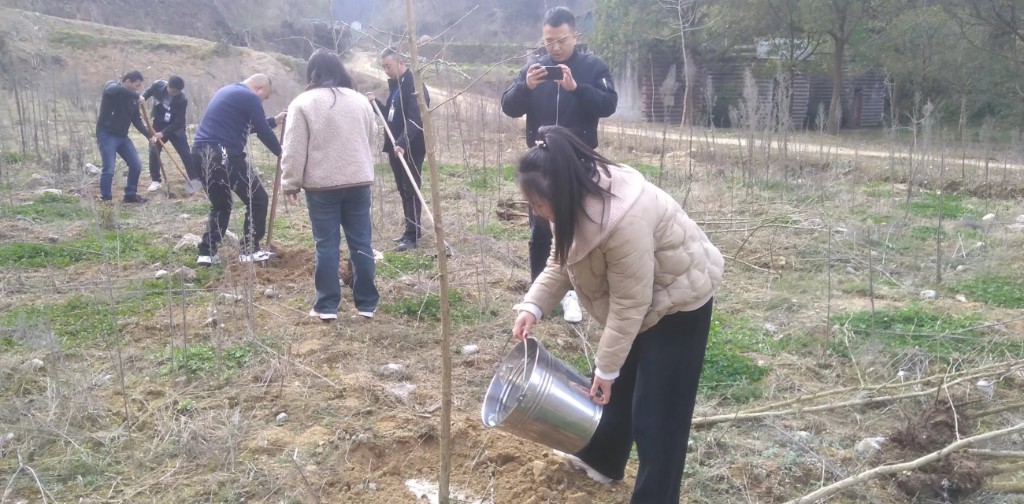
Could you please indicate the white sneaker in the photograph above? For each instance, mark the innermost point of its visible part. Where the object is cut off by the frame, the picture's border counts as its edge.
(258, 256)
(205, 260)
(365, 314)
(571, 308)
(579, 464)
(155, 186)
(323, 316)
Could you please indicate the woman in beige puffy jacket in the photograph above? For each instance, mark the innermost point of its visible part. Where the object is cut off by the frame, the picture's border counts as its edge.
(326, 153)
(647, 273)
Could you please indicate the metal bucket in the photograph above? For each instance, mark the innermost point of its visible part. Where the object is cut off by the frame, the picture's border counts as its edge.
(536, 396)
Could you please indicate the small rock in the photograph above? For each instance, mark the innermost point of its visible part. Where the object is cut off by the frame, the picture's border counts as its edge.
(281, 418)
(37, 181)
(986, 387)
(189, 240)
(539, 469)
(185, 274)
(850, 270)
(770, 328)
(127, 322)
(988, 217)
(470, 349)
(392, 370)
(361, 438)
(928, 294)
(228, 298)
(378, 256)
(53, 238)
(211, 322)
(270, 293)
(580, 498)
(402, 390)
(102, 380)
(371, 487)
(1020, 219)
(802, 435)
(962, 298)
(869, 445)
(978, 245)
(960, 268)
(231, 237)
(33, 365)
(92, 169)
(184, 216)
(55, 192)
(160, 274)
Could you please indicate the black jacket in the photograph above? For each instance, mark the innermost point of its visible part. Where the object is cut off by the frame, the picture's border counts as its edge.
(119, 108)
(405, 122)
(548, 103)
(168, 111)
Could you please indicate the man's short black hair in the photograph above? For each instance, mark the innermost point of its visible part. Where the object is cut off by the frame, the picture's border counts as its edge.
(390, 51)
(559, 16)
(176, 83)
(132, 76)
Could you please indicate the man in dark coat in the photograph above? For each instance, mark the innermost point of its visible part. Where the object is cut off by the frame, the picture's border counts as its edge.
(577, 99)
(169, 107)
(402, 115)
(119, 108)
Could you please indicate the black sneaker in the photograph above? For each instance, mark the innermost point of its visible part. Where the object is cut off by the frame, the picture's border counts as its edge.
(134, 198)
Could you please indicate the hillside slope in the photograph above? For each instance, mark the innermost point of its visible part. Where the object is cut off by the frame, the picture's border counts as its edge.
(77, 57)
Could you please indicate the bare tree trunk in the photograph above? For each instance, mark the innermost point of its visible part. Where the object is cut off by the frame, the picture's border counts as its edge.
(445, 431)
(836, 106)
(688, 73)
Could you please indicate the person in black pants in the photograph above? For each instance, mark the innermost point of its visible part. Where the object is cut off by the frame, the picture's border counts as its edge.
(402, 115)
(576, 99)
(219, 151)
(648, 274)
(169, 107)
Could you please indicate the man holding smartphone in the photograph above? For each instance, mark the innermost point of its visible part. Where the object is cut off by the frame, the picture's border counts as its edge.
(567, 88)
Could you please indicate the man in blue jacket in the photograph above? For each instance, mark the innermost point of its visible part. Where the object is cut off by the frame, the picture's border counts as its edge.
(118, 109)
(403, 118)
(577, 100)
(235, 111)
(169, 107)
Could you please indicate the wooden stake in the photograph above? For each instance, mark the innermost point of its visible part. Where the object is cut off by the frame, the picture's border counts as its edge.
(445, 430)
(277, 189)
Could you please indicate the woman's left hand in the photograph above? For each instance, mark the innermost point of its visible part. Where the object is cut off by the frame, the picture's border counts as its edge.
(601, 391)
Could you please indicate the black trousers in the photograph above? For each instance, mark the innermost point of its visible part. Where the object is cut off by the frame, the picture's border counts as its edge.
(411, 205)
(180, 143)
(221, 179)
(652, 403)
(540, 245)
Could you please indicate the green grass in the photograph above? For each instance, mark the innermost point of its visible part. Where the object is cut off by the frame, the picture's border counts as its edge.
(200, 359)
(1001, 291)
(504, 231)
(650, 172)
(12, 157)
(951, 206)
(118, 246)
(90, 249)
(49, 207)
(926, 233)
(79, 319)
(938, 333)
(399, 264)
(428, 308)
(728, 372)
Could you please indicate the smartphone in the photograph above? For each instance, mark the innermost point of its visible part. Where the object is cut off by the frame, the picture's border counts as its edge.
(554, 73)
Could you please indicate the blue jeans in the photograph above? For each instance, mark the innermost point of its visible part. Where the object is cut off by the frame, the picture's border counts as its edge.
(112, 145)
(348, 209)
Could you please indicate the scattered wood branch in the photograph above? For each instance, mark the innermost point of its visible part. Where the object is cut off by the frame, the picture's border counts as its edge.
(996, 453)
(996, 411)
(865, 476)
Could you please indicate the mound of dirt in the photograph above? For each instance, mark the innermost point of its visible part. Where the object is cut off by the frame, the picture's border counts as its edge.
(951, 478)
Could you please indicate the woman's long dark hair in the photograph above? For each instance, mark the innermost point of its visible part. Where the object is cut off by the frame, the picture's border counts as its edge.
(325, 70)
(561, 170)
